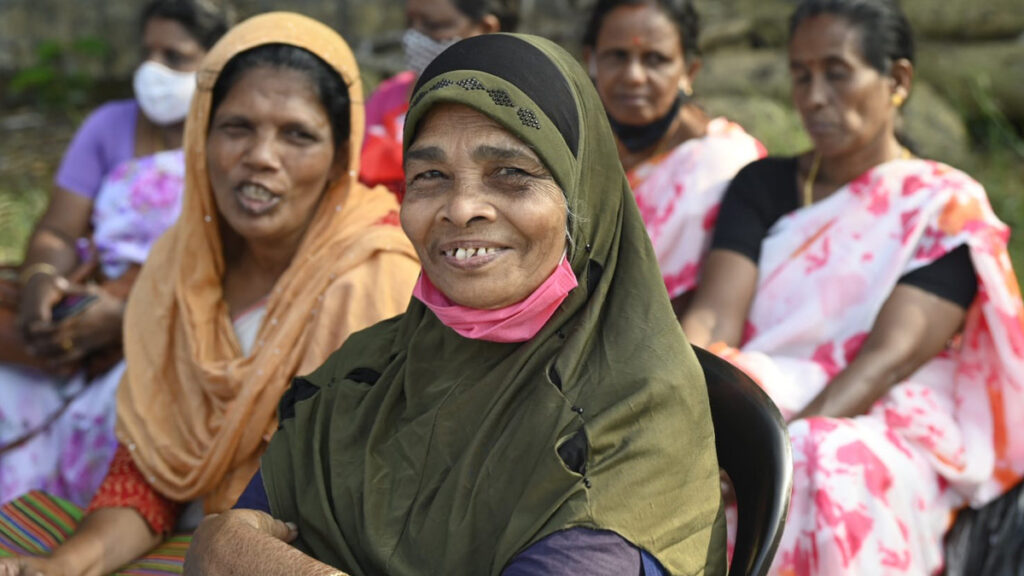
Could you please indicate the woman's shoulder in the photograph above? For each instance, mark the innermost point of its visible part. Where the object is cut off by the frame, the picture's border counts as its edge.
(941, 171)
(364, 353)
(721, 128)
(768, 169)
(114, 113)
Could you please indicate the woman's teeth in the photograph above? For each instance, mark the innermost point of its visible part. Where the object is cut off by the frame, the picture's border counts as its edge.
(463, 253)
(256, 192)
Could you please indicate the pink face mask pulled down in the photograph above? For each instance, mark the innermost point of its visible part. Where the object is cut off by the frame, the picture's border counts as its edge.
(516, 323)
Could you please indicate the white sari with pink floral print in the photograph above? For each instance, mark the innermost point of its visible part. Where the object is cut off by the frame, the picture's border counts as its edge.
(679, 192)
(875, 494)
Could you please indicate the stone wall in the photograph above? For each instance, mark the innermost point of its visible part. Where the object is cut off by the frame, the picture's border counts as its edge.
(971, 52)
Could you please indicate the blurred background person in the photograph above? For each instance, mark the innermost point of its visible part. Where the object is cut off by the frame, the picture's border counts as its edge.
(433, 26)
(643, 56)
(871, 295)
(118, 189)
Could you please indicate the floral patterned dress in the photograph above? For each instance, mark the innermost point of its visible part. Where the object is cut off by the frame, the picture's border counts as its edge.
(679, 192)
(57, 435)
(875, 494)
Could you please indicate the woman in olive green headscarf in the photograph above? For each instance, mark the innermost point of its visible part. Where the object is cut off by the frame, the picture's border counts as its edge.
(537, 407)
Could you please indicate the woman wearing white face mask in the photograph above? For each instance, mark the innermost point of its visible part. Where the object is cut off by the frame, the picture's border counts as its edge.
(118, 188)
(433, 26)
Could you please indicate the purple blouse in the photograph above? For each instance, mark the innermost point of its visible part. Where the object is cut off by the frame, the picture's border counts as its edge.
(105, 140)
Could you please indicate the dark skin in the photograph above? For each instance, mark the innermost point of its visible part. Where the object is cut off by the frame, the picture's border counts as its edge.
(849, 111)
(640, 65)
(60, 346)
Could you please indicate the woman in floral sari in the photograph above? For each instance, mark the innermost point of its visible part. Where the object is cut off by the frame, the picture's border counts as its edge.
(870, 293)
(643, 57)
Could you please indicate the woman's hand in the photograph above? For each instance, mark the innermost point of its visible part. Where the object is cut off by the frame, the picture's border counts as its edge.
(36, 301)
(260, 521)
(911, 329)
(30, 567)
(248, 542)
(220, 537)
(64, 343)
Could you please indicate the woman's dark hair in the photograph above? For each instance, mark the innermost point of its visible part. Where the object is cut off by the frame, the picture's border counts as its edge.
(507, 11)
(681, 12)
(204, 20)
(885, 31)
(329, 87)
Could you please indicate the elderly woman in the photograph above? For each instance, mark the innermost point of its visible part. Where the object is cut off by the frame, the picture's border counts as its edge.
(871, 295)
(433, 26)
(644, 57)
(119, 185)
(537, 409)
(278, 256)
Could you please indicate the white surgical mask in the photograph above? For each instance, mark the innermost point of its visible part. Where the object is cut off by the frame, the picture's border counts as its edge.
(163, 94)
(420, 49)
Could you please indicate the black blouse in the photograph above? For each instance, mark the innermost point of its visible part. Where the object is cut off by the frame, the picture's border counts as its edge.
(766, 190)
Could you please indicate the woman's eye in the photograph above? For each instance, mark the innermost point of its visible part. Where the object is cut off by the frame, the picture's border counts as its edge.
(427, 175)
(234, 128)
(836, 75)
(653, 60)
(174, 58)
(613, 58)
(800, 77)
(511, 171)
(301, 136)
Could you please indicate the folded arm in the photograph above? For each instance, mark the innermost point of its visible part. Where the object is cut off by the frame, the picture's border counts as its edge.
(248, 542)
(911, 329)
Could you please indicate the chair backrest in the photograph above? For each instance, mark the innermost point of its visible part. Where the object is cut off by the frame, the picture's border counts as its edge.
(753, 448)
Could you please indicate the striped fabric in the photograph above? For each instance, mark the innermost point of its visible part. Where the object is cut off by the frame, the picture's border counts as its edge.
(36, 523)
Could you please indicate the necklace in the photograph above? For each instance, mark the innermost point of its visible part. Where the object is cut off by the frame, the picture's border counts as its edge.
(812, 174)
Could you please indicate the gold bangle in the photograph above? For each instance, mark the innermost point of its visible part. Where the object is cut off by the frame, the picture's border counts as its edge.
(35, 269)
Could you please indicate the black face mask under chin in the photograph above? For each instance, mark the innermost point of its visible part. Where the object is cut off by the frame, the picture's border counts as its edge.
(637, 138)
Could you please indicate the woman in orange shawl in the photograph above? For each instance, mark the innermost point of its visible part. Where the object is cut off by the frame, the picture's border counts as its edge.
(278, 256)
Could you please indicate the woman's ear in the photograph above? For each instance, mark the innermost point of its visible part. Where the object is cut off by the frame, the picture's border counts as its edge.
(490, 24)
(903, 78)
(693, 66)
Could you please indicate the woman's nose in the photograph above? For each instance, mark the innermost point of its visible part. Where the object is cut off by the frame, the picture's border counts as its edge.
(466, 204)
(634, 71)
(817, 92)
(262, 152)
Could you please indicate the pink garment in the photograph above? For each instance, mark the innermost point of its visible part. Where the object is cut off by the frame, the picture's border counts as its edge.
(516, 323)
(875, 494)
(390, 95)
(678, 194)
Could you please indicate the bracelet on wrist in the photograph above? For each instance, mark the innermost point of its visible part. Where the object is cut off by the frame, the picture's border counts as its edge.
(36, 269)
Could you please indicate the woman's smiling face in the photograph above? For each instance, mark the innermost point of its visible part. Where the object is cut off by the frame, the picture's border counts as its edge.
(485, 215)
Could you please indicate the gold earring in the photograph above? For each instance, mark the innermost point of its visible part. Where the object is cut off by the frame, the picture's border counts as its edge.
(898, 99)
(686, 87)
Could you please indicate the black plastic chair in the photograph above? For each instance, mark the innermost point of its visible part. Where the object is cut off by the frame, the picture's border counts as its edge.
(753, 448)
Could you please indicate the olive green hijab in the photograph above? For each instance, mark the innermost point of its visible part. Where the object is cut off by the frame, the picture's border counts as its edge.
(414, 450)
